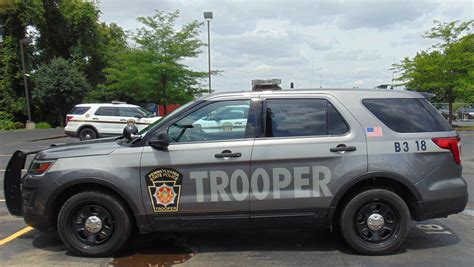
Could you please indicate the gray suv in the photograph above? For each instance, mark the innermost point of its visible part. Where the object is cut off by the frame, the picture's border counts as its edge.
(366, 162)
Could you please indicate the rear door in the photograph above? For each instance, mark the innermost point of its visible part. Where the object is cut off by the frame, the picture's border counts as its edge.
(311, 144)
(107, 120)
(202, 177)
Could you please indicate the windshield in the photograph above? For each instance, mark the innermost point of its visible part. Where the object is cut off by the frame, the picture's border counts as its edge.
(145, 112)
(166, 117)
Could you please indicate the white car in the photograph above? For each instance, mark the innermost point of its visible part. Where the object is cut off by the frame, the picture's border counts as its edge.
(225, 119)
(90, 121)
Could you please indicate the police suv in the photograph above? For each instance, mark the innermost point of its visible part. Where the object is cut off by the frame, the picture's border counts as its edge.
(90, 121)
(367, 162)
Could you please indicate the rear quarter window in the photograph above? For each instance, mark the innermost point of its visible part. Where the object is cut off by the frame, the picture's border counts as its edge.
(78, 110)
(407, 115)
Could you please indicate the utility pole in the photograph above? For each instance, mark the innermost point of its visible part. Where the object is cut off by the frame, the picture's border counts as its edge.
(27, 95)
(208, 17)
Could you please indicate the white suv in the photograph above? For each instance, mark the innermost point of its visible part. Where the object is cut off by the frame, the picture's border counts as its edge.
(90, 121)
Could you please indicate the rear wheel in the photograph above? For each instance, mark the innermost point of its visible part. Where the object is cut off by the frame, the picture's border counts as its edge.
(375, 222)
(87, 134)
(94, 224)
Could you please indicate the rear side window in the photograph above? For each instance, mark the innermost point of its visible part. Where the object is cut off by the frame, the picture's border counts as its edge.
(107, 111)
(78, 110)
(407, 115)
(303, 117)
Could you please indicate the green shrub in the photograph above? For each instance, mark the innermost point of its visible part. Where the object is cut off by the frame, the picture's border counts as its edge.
(43, 125)
(6, 124)
(18, 125)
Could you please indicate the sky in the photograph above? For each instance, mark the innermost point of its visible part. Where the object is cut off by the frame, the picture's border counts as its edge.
(333, 44)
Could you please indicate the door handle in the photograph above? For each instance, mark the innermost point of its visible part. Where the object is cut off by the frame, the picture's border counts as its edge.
(95, 118)
(343, 148)
(228, 154)
(123, 120)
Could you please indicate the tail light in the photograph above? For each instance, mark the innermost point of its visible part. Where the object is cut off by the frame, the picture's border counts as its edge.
(451, 143)
(68, 118)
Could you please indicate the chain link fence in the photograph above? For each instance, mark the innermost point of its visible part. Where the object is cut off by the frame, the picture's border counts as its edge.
(461, 111)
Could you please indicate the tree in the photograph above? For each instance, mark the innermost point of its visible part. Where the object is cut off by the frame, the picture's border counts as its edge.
(153, 71)
(59, 85)
(15, 16)
(71, 30)
(59, 28)
(447, 68)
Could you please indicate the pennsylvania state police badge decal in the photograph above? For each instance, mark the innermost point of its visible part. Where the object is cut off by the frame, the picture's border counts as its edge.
(164, 187)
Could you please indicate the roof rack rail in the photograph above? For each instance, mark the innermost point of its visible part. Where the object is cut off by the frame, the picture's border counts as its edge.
(118, 102)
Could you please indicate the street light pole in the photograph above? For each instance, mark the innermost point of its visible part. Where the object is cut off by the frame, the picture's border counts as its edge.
(27, 95)
(208, 18)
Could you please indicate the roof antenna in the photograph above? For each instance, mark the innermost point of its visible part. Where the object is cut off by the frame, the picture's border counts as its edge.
(312, 70)
(393, 74)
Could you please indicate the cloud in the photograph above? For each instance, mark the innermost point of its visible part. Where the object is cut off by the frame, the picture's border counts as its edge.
(352, 55)
(336, 43)
(263, 68)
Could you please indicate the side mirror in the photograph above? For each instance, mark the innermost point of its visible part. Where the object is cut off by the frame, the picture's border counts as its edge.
(161, 142)
(138, 116)
(130, 130)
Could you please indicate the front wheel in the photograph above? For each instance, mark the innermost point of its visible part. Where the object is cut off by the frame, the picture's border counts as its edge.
(375, 222)
(94, 224)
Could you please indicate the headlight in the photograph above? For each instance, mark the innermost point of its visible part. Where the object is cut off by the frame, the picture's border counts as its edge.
(39, 167)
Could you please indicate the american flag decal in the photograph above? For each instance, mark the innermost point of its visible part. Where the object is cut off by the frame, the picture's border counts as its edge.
(374, 131)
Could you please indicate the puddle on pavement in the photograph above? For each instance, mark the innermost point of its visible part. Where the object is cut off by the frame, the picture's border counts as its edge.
(151, 259)
(157, 253)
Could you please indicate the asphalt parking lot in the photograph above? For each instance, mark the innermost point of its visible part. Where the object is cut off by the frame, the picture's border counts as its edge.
(439, 242)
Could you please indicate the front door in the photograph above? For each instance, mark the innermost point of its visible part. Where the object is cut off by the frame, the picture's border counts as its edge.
(203, 176)
(310, 147)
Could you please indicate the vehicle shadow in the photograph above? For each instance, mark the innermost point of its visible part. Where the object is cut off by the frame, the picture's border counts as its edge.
(431, 234)
(162, 249)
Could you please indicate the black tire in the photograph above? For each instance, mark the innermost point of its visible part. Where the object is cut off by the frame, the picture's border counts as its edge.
(367, 239)
(87, 133)
(115, 228)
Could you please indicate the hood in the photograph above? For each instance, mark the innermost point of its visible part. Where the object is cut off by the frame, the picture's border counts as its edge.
(96, 147)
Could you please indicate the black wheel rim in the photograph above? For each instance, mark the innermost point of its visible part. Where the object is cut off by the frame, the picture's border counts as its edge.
(368, 232)
(84, 234)
(86, 135)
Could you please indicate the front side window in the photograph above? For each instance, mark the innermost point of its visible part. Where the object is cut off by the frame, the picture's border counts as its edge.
(107, 111)
(132, 112)
(224, 120)
(303, 117)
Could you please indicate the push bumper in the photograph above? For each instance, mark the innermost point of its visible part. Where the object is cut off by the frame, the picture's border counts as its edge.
(22, 193)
